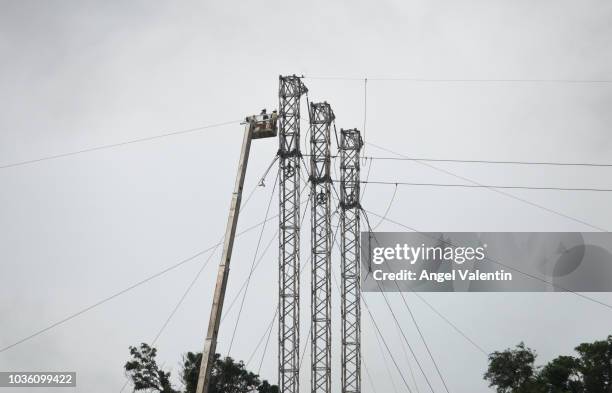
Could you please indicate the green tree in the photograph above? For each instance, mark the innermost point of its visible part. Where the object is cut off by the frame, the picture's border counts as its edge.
(562, 375)
(514, 370)
(145, 373)
(227, 376)
(596, 365)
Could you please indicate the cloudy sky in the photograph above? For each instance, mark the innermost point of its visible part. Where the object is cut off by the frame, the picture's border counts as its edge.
(77, 75)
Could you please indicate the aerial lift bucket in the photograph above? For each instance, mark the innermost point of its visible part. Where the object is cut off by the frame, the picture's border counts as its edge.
(264, 126)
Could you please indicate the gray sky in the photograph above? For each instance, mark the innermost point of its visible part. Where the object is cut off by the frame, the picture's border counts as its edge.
(76, 75)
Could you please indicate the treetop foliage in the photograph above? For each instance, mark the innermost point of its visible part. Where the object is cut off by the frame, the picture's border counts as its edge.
(514, 370)
(227, 376)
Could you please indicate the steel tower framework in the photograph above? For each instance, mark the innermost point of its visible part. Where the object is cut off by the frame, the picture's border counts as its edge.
(321, 117)
(291, 89)
(350, 146)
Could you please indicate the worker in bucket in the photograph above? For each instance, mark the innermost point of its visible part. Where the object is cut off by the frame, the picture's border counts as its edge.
(265, 118)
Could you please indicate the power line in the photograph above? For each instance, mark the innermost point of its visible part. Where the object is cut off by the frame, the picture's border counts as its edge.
(449, 322)
(386, 210)
(109, 146)
(382, 353)
(501, 162)
(424, 341)
(406, 340)
(365, 187)
(523, 200)
(227, 310)
(178, 304)
(461, 80)
(84, 310)
(190, 286)
(337, 285)
(413, 321)
(245, 283)
(265, 251)
(125, 290)
(268, 331)
(546, 188)
(246, 290)
(268, 328)
(308, 338)
(334, 243)
(386, 345)
(410, 368)
(276, 313)
(483, 161)
(398, 326)
(185, 293)
(263, 355)
(365, 366)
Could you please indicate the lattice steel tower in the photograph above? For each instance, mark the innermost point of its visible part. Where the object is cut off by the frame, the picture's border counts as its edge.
(321, 117)
(291, 89)
(350, 146)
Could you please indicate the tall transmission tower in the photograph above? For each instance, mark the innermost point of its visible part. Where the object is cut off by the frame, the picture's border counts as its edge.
(321, 117)
(290, 91)
(350, 146)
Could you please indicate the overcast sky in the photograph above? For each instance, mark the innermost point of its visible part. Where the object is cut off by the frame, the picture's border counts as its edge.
(80, 74)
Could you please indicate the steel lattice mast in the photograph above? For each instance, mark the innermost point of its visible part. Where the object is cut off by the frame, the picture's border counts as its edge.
(350, 146)
(321, 117)
(291, 89)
